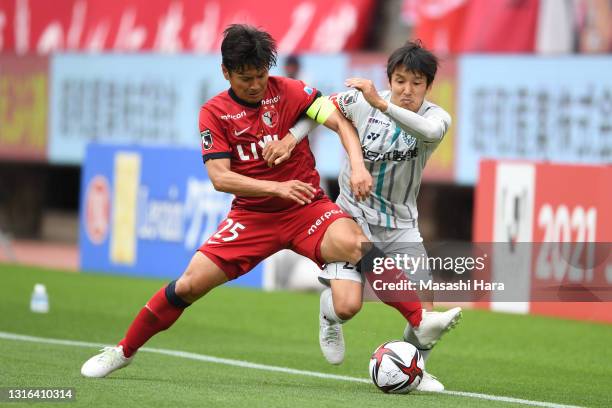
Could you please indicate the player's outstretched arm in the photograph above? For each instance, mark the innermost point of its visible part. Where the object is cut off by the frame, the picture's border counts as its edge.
(228, 181)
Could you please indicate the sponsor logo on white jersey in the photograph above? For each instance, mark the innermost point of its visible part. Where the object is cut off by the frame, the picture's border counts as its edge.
(377, 121)
(395, 155)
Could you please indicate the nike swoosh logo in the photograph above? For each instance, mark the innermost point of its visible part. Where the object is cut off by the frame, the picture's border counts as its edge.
(241, 132)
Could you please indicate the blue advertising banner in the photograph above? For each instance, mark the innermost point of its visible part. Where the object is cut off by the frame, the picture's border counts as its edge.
(533, 108)
(145, 211)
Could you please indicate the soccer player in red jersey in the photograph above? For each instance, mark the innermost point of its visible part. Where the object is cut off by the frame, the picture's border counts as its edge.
(276, 207)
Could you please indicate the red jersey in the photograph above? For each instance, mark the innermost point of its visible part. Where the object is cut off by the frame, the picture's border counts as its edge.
(235, 129)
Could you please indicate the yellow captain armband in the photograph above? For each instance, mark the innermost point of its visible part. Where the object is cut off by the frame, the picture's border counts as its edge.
(321, 109)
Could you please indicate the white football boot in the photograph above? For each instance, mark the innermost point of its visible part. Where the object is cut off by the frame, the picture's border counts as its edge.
(433, 325)
(101, 365)
(331, 339)
(429, 383)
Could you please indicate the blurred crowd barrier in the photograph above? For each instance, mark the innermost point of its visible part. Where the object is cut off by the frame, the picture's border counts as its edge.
(512, 26)
(321, 26)
(43, 27)
(555, 109)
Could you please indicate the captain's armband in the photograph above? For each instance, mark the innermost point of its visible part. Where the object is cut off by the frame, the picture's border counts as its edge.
(321, 109)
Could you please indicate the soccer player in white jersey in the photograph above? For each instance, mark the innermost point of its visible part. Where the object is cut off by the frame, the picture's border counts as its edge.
(399, 130)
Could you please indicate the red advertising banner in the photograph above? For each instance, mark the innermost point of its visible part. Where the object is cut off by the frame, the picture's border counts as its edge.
(438, 23)
(573, 205)
(500, 26)
(23, 107)
(456, 26)
(565, 209)
(41, 26)
(440, 166)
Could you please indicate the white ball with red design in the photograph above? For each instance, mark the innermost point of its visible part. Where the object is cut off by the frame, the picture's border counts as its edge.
(396, 367)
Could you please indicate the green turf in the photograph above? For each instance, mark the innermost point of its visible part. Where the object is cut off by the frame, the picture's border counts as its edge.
(526, 357)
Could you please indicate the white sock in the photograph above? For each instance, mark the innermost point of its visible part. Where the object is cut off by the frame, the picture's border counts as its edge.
(327, 307)
(425, 354)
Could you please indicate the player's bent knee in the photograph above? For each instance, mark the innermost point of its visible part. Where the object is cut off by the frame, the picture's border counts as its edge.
(199, 278)
(347, 308)
(343, 241)
(186, 290)
(349, 247)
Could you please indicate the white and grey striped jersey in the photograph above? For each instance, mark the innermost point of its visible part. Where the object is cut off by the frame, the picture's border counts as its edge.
(395, 157)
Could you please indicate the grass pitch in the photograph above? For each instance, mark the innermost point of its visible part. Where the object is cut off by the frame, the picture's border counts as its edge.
(527, 357)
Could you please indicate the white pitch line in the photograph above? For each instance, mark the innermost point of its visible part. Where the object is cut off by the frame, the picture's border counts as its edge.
(246, 364)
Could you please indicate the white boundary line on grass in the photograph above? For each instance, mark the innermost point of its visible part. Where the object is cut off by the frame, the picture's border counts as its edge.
(246, 364)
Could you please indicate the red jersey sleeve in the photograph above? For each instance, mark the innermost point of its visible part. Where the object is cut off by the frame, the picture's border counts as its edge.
(300, 94)
(213, 137)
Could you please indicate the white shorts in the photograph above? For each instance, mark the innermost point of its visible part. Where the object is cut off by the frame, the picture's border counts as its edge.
(405, 242)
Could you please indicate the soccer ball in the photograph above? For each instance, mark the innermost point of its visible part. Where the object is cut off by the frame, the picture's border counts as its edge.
(396, 367)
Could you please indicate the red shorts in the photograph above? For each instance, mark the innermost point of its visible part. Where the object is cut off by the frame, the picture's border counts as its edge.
(246, 238)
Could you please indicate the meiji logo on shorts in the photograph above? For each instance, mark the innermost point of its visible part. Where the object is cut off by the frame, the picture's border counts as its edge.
(322, 219)
(234, 116)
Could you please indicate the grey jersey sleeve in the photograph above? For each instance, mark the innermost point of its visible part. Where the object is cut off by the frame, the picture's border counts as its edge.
(431, 127)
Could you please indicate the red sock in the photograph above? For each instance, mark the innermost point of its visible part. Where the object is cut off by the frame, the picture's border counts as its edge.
(407, 309)
(156, 316)
(404, 301)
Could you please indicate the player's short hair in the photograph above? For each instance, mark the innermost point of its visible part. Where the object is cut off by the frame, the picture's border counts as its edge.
(246, 46)
(416, 58)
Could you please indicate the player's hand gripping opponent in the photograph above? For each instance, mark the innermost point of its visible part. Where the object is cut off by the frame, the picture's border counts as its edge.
(361, 182)
(323, 111)
(369, 92)
(277, 151)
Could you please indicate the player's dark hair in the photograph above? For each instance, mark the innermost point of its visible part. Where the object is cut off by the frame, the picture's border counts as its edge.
(246, 46)
(415, 58)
